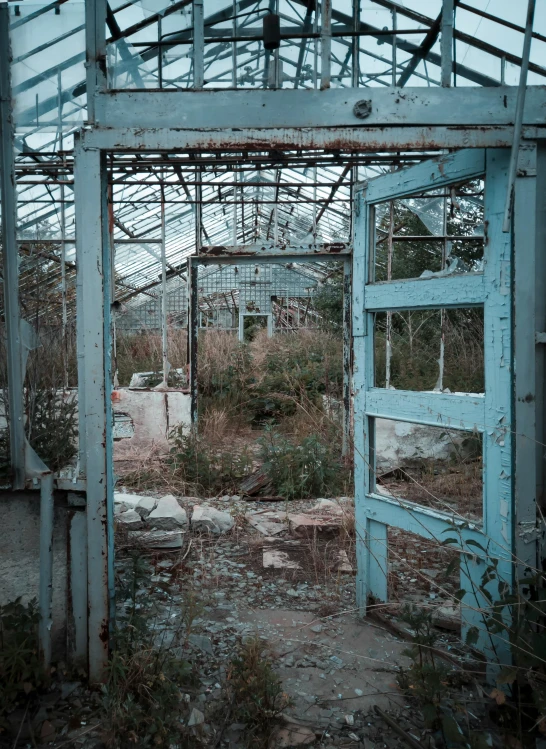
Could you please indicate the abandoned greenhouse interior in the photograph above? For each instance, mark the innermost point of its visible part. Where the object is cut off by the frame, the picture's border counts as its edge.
(272, 353)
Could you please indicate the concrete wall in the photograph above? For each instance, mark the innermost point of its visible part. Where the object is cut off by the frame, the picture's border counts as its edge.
(153, 413)
(20, 556)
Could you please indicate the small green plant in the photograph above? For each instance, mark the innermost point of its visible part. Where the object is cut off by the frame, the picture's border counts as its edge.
(143, 698)
(310, 468)
(428, 679)
(255, 692)
(205, 467)
(21, 672)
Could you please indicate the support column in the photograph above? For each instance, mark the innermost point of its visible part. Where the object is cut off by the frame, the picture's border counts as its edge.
(198, 44)
(8, 195)
(528, 312)
(446, 42)
(193, 331)
(95, 45)
(325, 43)
(95, 412)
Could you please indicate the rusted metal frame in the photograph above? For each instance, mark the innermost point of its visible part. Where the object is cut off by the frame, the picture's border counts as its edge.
(497, 19)
(330, 198)
(15, 372)
(422, 52)
(215, 114)
(467, 38)
(117, 35)
(446, 41)
(472, 41)
(520, 104)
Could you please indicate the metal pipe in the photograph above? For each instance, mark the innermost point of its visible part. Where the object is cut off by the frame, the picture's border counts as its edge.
(325, 43)
(198, 44)
(164, 341)
(446, 42)
(15, 374)
(46, 568)
(520, 103)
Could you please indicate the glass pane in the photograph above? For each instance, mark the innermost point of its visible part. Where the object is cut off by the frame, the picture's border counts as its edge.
(430, 466)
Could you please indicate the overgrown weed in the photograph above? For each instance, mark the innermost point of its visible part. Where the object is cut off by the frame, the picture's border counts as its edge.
(21, 671)
(254, 692)
(143, 698)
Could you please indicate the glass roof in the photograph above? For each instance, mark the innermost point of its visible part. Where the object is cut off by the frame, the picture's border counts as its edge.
(250, 198)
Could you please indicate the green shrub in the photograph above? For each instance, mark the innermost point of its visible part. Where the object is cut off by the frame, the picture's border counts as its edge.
(205, 467)
(255, 693)
(142, 699)
(311, 468)
(21, 671)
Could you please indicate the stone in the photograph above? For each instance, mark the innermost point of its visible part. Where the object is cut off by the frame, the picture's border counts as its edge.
(279, 560)
(68, 687)
(146, 506)
(317, 628)
(47, 732)
(359, 692)
(210, 519)
(159, 539)
(130, 500)
(327, 505)
(342, 562)
(196, 717)
(293, 736)
(130, 519)
(168, 515)
(202, 643)
(349, 720)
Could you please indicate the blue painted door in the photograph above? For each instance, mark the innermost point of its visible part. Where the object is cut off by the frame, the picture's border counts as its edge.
(487, 286)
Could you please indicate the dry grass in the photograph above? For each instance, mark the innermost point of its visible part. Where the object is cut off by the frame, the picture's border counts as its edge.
(142, 352)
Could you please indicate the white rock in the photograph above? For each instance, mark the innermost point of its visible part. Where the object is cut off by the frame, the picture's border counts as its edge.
(279, 560)
(145, 506)
(120, 507)
(130, 518)
(211, 519)
(328, 505)
(196, 717)
(168, 515)
(130, 500)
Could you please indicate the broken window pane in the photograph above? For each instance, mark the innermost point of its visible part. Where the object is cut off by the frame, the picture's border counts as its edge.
(440, 232)
(431, 466)
(436, 349)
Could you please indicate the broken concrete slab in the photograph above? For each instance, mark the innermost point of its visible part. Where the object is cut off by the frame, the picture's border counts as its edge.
(268, 523)
(279, 560)
(168, 515)
(210, 519)
(304, 525)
